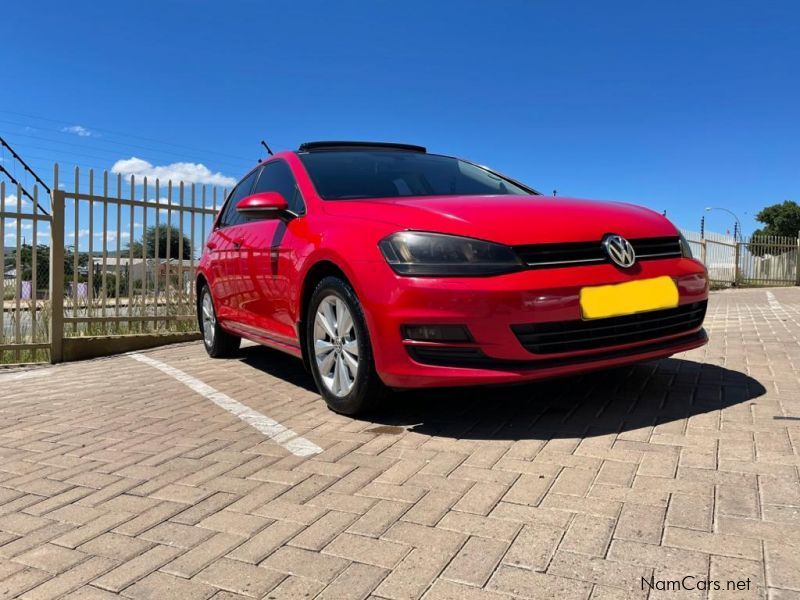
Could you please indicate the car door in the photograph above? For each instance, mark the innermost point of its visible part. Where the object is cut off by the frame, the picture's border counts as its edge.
(264, 259)
(227, 239)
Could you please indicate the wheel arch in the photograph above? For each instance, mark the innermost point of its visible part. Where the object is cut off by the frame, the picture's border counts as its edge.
(318, 271)
(199, 282)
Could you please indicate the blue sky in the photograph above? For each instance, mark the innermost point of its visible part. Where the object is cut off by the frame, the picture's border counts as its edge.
(675, 105)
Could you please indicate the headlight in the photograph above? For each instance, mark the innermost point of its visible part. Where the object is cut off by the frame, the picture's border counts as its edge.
(686, 249)
(436, 254)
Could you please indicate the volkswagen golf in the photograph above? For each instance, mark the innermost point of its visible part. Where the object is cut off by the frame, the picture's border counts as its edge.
(383, 266)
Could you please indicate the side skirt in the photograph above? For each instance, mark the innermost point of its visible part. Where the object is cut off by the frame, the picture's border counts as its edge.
(264, 339)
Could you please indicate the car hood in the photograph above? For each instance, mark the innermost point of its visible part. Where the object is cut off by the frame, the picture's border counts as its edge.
(509, 219)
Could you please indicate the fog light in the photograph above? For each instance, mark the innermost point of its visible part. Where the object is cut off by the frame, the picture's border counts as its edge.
(437, 333)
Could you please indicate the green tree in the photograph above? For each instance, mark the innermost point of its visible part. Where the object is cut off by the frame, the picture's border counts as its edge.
(149, 241)
(43, 264)
(779, 220)
(111, 284)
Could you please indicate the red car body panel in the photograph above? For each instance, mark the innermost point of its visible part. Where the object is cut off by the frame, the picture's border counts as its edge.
(258, 273)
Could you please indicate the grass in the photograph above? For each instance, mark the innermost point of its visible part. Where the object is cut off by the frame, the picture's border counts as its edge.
(34, 320)
(34, 328)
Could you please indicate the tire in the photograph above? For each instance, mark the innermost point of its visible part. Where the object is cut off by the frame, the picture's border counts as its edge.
(217, 342)
(334, 342)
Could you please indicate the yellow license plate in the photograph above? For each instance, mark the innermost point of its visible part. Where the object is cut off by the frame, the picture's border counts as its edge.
(628, 298)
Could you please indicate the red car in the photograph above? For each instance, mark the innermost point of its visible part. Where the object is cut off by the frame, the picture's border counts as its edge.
(384, 266)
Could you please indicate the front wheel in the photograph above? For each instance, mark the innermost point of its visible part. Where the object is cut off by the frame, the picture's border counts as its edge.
(218, 342)
(339, 350)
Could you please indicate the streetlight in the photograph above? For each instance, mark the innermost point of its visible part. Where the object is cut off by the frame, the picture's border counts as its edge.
(733, 214)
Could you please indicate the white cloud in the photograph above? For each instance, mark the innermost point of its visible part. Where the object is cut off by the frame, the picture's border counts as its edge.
(181, 171)
(112, 235)
(26, 229)
(79, 130)
(12, 201)
(82, 233)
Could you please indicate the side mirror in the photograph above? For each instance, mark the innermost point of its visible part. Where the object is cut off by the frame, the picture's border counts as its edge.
(266, 205)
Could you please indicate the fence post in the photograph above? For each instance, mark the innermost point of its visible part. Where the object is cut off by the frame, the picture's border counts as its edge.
(703, 252)
(797, 266)
(57, 272)
(736, 273)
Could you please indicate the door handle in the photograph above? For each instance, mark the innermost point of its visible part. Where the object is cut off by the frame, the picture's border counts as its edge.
(237, 243)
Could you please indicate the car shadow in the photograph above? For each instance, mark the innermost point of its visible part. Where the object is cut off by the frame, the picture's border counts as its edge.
(587, 405)
(278, 364)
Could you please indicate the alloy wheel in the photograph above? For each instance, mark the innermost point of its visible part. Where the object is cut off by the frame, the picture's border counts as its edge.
(209, 320)
(336, 348)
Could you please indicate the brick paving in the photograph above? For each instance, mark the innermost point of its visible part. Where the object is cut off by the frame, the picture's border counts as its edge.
(118, 480)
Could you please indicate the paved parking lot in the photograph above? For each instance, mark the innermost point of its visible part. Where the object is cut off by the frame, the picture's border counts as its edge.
(169, 475)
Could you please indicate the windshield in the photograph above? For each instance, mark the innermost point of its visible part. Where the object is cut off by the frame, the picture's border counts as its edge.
(348, 175)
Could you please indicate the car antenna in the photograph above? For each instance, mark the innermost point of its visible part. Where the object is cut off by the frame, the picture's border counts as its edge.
(263, 143)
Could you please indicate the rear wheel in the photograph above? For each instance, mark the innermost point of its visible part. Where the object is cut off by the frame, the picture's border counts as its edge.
(218, 342)
(339, 350)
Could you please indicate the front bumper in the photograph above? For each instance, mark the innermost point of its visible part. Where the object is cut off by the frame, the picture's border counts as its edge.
(490, 306)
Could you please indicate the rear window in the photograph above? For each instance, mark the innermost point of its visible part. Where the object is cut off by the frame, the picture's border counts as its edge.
(348, 175)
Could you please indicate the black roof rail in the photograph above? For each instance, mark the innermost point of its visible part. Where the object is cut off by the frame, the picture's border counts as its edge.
(342, 145)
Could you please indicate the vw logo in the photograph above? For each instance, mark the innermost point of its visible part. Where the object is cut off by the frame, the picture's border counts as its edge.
(619, 250)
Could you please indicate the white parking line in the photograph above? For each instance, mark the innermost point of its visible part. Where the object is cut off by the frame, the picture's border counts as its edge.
(773, 301)
(296, 444)
(25, 375)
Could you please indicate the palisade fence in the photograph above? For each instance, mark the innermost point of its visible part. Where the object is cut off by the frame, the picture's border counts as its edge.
(25, 316)
(752, 261)
(124, 252)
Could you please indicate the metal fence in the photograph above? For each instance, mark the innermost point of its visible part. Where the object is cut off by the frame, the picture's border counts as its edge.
(25, 227)
(124, 253)
(753, 261)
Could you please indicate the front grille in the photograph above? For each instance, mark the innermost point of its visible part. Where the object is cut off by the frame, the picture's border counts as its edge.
(568, 336)
(587, 253)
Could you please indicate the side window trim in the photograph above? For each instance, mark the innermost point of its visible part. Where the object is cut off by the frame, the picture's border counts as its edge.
(297, 191)
(225, 206)
(223, 212)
